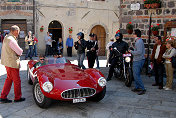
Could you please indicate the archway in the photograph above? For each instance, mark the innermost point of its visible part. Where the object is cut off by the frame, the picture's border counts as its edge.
(56, 29)
(101, 35)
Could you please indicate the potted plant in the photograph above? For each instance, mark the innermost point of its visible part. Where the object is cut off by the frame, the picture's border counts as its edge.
(41, 28)
(70, 30)
(129, 28)
(152, 4)
(155, 29)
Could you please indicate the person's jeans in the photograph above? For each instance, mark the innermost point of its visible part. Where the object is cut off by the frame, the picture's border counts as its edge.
(29, 52)
(35, 50)
(80, 58)
(137, 68)
(97, 61)
(48, 50)
(0, 48)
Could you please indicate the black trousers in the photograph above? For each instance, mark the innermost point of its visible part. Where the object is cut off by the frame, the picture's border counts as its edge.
(159, 70)
(69, 51)
(91, 59)
(48, 50)
(111, 69)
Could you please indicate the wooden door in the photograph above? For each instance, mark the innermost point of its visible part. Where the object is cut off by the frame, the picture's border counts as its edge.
(101, 35)
(6, 24)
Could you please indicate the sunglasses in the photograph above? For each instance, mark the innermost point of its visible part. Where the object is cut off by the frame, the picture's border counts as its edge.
(42, 59)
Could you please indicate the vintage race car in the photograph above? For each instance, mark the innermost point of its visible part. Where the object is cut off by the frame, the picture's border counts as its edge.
(61, 80)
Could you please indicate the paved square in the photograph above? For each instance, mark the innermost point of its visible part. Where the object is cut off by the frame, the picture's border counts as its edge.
(119, 102)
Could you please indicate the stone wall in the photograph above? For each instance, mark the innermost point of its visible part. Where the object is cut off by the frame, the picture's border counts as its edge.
(140, 18)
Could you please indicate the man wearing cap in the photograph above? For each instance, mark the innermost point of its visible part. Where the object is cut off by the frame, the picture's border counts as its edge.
(48, 42)
(108, 50)
(122, 47)
(11, 53)
(80, 46)
(92, 47)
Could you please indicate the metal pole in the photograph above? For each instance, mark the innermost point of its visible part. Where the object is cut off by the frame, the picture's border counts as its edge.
(149, 40)
(34, 16)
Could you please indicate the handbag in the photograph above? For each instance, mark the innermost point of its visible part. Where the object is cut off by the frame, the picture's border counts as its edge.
(173, 61)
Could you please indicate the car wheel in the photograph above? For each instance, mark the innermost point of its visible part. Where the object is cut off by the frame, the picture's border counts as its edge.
(28, 77)
(41, 100)
(98, 97)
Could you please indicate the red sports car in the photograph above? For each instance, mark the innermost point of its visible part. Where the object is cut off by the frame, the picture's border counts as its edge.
(61, 80)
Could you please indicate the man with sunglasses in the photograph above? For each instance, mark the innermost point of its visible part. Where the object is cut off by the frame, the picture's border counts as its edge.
(41, 61)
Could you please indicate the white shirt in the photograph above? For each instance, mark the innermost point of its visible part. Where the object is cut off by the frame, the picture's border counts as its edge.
(157, 51)
(47, 40)
(109, 44)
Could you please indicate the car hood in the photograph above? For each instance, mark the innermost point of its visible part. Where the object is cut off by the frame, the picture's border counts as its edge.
(67, 76)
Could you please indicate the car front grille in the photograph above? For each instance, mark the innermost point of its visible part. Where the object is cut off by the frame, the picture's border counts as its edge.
(78, 93)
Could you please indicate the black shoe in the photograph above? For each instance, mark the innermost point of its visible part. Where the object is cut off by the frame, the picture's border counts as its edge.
(20, 100)
(136, 90)
(155, 84)
(141, 92)
(108, 79)
(5, 100)
(160, 87)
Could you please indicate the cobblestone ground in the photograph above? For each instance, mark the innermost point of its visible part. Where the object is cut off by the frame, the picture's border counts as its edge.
(119, 102)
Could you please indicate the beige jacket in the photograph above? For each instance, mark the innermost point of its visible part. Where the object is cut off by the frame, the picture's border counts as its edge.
(9, 57)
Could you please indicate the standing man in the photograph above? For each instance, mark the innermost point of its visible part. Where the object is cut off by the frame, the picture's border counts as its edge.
(138, 62)
(29, 41)
(92, 47)
(108, 50)
(80, 46)
(69, 44)
(157, 59)
(35, 45)
(11, 53)
(48, 42)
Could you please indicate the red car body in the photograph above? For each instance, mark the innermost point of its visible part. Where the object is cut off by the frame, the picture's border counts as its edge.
(64, 77)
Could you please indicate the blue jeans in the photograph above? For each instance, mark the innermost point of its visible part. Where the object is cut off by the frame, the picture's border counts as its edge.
(29, 52)
(0, 48)
(137, 67)
(35, 50)
(97, 61)
(80, 58)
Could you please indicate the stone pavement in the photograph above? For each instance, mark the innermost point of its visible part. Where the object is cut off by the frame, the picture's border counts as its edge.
(119, 101)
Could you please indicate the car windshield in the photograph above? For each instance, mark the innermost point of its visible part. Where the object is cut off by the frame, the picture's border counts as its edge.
(56, 60)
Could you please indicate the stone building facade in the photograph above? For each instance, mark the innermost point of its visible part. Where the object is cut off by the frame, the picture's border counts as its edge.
(141, 18)
(57, 16)
(19, 12)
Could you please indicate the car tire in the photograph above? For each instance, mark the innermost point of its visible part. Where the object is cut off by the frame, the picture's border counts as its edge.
(28, 77)
(41, 100)
(98, 97)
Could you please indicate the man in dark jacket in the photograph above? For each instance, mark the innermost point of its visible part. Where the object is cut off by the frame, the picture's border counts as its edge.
(92, 47)
(80, 46)
(156, 58)
(122, 47)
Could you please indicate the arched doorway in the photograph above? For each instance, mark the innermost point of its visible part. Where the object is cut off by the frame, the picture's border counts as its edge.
(56, 29)
(101, 35)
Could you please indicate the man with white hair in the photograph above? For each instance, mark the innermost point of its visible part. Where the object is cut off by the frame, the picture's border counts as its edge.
(10, 58)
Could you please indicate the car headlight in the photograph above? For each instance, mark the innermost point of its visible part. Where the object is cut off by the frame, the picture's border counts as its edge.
(127, 59)
(102, 81)
(47, 86)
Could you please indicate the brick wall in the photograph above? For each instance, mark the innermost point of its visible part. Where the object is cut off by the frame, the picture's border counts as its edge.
(140, 18)
(17, 10)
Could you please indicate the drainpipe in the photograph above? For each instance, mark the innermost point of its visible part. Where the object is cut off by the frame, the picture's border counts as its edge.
(34, 16)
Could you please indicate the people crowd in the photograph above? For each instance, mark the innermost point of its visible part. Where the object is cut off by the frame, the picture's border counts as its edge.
(161, 56)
